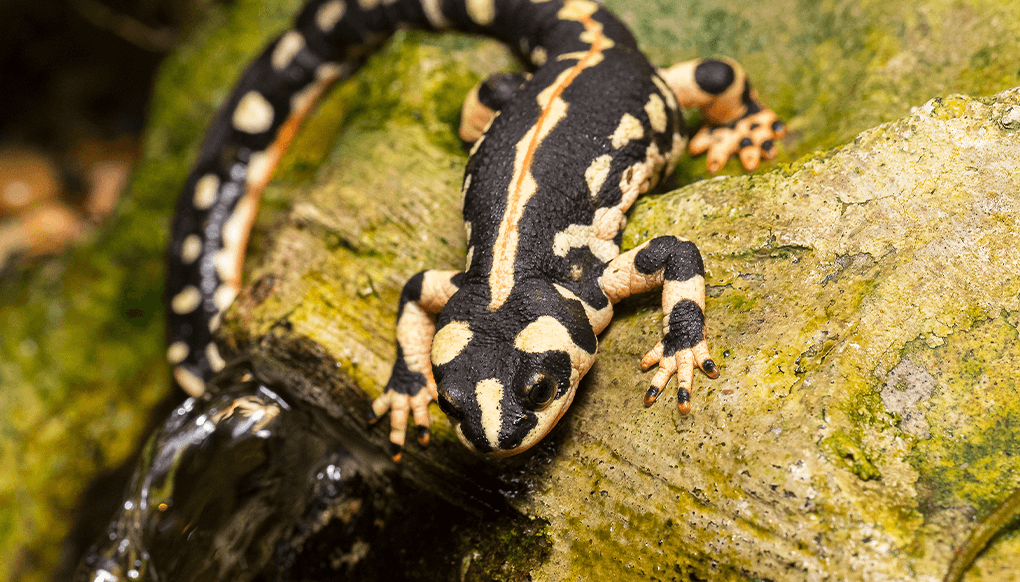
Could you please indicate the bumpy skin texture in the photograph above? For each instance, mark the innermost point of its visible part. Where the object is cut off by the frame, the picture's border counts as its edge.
(559, 156)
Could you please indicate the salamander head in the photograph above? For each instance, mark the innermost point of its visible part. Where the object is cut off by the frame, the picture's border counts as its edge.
(506, 377)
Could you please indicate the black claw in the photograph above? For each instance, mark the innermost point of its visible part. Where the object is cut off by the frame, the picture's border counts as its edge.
(396, 451)
(372, 416)
(423, 434)
(767, 145)
(746, 142)
(651, 395)
(778, 126)
(683, 402)
(708, 366)
(683, 396)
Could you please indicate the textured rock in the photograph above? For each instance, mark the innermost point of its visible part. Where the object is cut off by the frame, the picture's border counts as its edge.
(870, 320)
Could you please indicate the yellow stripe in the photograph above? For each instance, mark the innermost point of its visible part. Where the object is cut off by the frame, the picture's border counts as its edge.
(523, 185)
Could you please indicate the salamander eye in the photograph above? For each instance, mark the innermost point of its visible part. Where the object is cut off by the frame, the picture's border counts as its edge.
(541, 392)
(448, 408)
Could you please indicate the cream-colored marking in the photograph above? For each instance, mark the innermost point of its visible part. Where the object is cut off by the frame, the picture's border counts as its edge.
(664, 88)
(329, 14)
(450, 341)
(253, 114)
(481, 11)
(331, 71)
(287, 48)
(545, 334)
(539, 56)
(588, 36)
(578, 236)
(434, 13)
(368, 4)
(523, 185)
(656, 111)
(212, 353)
(189, 382)
(191, 249)
(225, 262)
(215, 321)
(598, 318)
(674, 292)
(436, 289)
(187, 300)
(572, 56)
(463, 190)
(177, 352)
(490, 399)
(470, 257)
(224, 296)
(206, 190)
(260, 168)
(467, 228)
(579, 10)
(597, 173)
(675, 153)
(628, 130)
(608, 222)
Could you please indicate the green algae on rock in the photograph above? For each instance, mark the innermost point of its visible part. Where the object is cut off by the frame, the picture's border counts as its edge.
(831, 68)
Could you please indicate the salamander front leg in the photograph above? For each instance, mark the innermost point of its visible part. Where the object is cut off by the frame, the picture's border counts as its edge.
(484, 100)
(675, 265)
(737, 122)
(411, 386)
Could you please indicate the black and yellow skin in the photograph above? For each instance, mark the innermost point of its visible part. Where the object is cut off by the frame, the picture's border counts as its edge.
(559, 156)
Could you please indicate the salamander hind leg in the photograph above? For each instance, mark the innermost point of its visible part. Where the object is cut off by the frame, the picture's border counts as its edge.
(737, 122)
(484, 100)
(411, 386)
(674, 264)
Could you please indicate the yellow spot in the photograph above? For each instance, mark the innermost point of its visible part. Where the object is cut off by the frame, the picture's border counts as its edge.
(481, 11)
(490, 400)
(578, 236)
(212, 353)
(577, 10)
(591, 37)
(664, 88)
(253, 114)
(329, 14)
(186, 301)
(260, 166)
(289, 45)
(177, 352)
(545, 334)
(329, 72)
(434, 13)
(224, 297)
(656, 111)
(470, 256)
(628, 130)
(539, 56)
(450, 341)
(189, 382)
(191, 248)
(467, 184)
(206, 191)
(597, 173)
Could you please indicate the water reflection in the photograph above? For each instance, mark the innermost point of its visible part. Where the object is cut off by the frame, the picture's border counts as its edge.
(233, 484)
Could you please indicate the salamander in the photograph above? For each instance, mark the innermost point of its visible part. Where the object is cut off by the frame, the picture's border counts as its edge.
(558, 156)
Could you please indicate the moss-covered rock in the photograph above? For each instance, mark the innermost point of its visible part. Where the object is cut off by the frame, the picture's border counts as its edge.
(862, 300)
